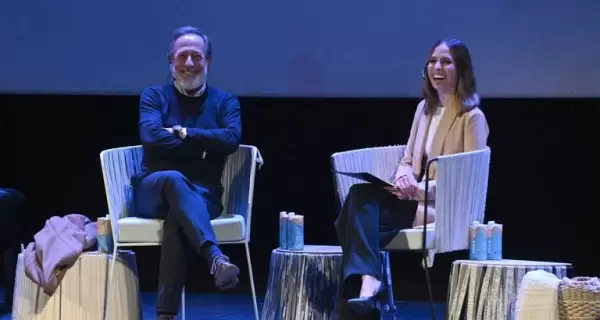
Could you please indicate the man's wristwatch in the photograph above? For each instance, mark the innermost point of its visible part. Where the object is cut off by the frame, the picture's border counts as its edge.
(180, 131)
(183, 133)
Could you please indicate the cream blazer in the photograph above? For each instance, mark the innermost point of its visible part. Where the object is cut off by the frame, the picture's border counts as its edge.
(455, 133)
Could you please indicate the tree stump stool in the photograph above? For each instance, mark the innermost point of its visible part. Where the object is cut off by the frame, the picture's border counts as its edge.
(81, 294)
(489, 288)
(304, 284)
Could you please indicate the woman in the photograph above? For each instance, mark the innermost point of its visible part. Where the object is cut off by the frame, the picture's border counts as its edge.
(447, 121)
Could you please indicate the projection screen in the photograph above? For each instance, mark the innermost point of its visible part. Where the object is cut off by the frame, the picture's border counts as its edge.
(323, 48)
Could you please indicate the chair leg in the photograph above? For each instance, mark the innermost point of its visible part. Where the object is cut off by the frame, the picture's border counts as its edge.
(109, 285)
(390, 305)
(252, 281)
(183, 304)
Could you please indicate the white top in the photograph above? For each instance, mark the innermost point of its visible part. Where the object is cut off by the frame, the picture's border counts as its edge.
(435, 122)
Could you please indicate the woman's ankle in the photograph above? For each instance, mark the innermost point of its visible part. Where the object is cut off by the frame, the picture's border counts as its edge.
(370, 285)
(367, 277)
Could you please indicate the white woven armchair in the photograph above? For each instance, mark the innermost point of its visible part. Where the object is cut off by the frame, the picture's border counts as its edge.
(232, 227)
(462, 181)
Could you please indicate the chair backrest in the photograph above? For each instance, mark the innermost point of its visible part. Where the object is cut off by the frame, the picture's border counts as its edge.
(120, 164)
(461, 193)
(379, 161)
(462, 181)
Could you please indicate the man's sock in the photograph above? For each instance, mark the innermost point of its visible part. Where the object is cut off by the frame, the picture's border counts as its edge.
(210, 251)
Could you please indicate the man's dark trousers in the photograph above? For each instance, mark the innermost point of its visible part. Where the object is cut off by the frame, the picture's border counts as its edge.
(187, 209)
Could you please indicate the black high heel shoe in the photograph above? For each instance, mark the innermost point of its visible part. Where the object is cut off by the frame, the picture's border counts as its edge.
(367, 305)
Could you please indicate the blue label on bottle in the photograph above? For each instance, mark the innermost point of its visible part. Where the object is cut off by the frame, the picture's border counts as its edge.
(296, 236)
(495, 245)
(105, 243)
(478, 250)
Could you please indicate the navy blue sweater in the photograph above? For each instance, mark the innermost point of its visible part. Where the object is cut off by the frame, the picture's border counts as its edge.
(214, 130)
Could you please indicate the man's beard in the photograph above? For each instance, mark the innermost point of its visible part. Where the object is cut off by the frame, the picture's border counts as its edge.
(187, 82)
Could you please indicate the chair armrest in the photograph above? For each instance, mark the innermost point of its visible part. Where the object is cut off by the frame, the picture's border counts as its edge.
(118, 166)
(461, 193)
(379, 161)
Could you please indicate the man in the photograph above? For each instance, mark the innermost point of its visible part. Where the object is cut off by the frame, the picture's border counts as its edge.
(12, 208)
(187, 130)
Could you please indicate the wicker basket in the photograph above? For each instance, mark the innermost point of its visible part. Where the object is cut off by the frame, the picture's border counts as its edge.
(579, 298)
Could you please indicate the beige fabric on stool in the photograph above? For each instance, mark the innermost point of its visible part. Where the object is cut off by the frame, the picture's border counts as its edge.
(537, 298)
(81, 294)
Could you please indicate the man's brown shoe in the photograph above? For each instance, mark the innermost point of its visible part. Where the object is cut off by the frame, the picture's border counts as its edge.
(225, 273)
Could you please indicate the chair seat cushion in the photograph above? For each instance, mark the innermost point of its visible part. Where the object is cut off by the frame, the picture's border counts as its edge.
(412, 239)
(227, 228)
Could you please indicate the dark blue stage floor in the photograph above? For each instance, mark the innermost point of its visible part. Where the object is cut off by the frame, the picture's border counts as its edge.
(239, 307)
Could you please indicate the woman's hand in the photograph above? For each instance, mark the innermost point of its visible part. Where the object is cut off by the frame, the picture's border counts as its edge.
(397, 192)
(406, 186)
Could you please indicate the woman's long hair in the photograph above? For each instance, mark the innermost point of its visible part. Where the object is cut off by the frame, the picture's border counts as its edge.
(466, 85)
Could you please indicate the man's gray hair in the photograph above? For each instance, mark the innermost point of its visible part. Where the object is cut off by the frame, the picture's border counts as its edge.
(182, 31)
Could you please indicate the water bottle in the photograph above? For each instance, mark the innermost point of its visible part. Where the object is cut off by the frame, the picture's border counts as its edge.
(494, 251)
(478, 238)
(283, 230)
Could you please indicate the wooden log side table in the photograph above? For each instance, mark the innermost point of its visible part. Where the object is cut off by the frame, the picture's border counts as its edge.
(490, 287)
(304, 284)
(82, 291)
